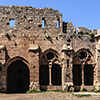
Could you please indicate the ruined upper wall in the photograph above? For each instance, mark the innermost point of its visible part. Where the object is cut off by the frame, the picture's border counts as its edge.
(28, 16)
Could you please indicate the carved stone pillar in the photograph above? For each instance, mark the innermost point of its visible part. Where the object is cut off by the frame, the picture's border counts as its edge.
(63, 56)
(50, 66)
(82, 75)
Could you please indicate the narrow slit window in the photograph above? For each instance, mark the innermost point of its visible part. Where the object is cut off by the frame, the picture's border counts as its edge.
(12, 23)
(58, 22)
(43, 22)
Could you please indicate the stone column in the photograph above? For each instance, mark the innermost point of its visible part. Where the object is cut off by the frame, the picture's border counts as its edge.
(82, 75)
(63, 56)
(50, 66)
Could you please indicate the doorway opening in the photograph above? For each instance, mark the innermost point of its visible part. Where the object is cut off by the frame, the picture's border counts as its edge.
(17, 77)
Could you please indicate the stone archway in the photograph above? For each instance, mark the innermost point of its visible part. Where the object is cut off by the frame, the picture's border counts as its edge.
(50, 73)
(17, 77)
(83, 71)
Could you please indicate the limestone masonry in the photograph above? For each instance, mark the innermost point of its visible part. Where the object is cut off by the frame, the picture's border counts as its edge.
(41, 52)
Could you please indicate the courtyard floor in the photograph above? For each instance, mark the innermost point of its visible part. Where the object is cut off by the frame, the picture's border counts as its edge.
(52, 96)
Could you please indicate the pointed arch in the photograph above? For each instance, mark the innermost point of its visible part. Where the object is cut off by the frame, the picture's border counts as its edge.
(83, 67)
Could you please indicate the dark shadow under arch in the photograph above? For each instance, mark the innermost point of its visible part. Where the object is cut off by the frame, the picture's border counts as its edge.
(44, 75)
(77, 74)
(88, 74)
(56, 74)
(17, 77)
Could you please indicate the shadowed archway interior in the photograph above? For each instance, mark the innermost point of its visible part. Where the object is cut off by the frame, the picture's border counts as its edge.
(77, 74)
(17, 77)
(56, 74)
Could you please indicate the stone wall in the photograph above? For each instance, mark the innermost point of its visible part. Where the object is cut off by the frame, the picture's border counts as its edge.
(36, 31)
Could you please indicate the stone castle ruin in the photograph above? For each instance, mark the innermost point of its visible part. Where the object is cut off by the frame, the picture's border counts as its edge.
(41, 52)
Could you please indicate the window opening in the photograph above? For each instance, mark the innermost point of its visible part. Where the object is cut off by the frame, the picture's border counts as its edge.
(82, 55)
(12, 23)
(50, 56)
(43, 22)
(58, 22)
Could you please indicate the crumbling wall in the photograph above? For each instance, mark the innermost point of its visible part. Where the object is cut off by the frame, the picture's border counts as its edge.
(37, 30)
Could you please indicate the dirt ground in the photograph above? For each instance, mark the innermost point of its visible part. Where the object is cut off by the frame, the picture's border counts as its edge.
(50, 96)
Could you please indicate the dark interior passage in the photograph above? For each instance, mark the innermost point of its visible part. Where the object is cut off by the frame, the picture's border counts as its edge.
(44, 75)
(88, 75)
(77, 74)
(56, 74)
(17, 77)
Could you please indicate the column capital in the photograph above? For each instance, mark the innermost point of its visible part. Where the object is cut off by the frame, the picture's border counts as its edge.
(83, 66)
(50, 64)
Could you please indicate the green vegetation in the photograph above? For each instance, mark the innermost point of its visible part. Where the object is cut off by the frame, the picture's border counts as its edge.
(71, 36)
(79, 36)
(62, 59)
(94, 90)
(14, 35)
(56, 91)
(6, 34)
(84, 89)
(91, 39)
(34, 91)
(88, 50)
(86, 32)
(91, 34)
(47, 36)
(67, 52)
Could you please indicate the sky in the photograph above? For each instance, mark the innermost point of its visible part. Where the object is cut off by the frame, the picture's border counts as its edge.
(83, 13)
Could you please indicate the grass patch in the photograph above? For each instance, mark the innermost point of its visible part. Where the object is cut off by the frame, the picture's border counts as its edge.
(84, 89)
(97, 91)
(56, 91)
(34, 91)
(81, 95)
(2, 93)
(69, 91)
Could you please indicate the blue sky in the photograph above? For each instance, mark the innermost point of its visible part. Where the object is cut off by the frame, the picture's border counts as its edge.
(83, 13)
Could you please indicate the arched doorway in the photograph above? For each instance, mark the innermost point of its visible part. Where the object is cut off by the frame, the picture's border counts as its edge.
(17, 77)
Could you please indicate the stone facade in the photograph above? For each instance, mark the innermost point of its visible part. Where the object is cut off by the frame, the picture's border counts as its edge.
(40, 52)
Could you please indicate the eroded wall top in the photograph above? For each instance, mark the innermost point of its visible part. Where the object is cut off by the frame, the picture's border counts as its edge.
(28, 16)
